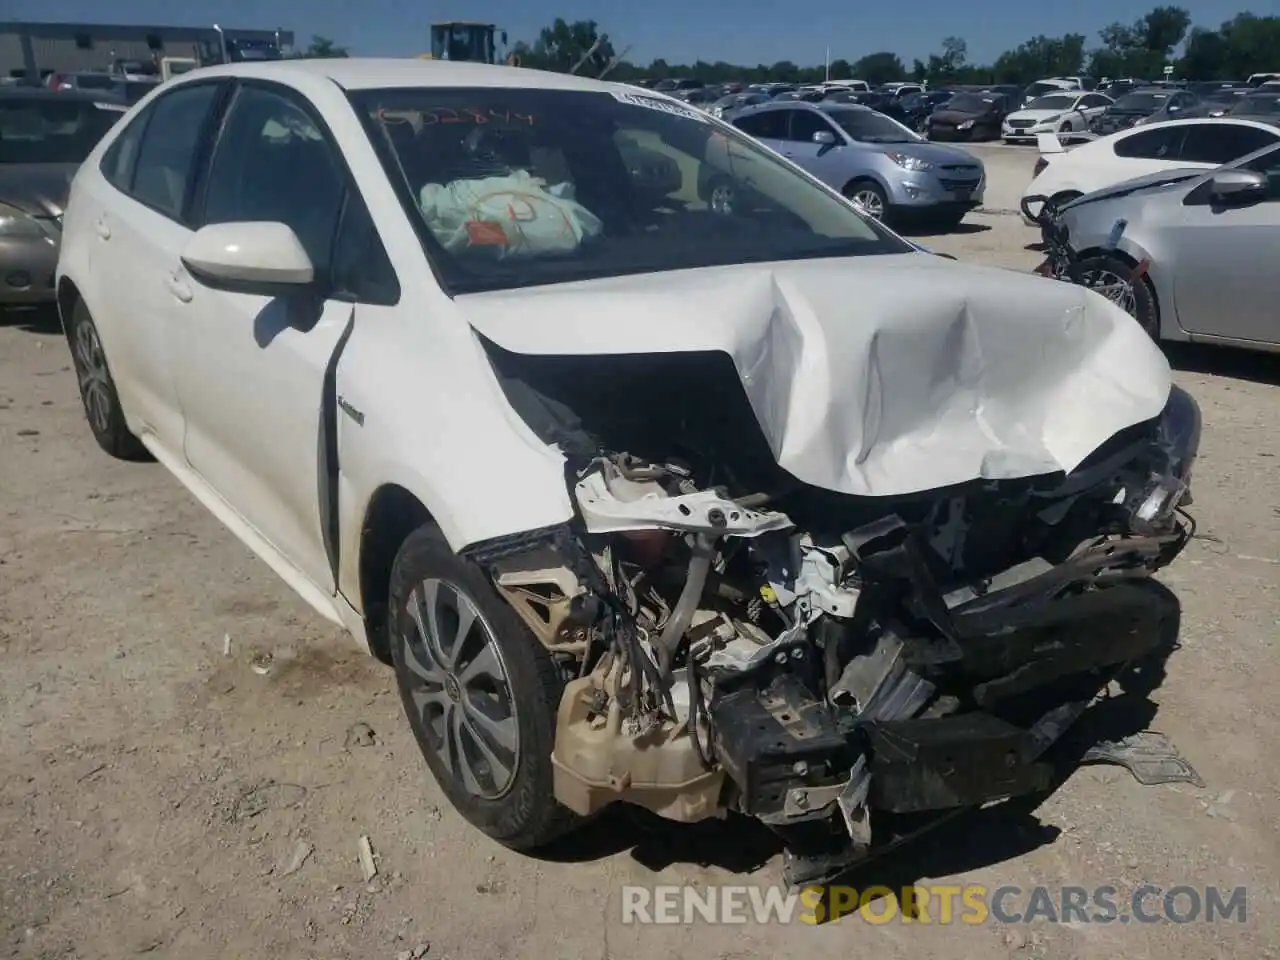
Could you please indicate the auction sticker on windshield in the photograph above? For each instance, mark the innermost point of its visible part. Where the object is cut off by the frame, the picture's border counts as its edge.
(662, 106)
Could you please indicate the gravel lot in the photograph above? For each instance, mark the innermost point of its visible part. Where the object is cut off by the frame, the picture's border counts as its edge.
(185, 774)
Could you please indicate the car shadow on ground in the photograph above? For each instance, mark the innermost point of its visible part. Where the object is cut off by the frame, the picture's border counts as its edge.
(42, 319)
(936, 230)
(1253, 365)
(969, 841)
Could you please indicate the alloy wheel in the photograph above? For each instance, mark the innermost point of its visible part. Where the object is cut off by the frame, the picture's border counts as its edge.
(722, 198)
(95, 382)
(1115, 288)
(870, 202)
(460, 686)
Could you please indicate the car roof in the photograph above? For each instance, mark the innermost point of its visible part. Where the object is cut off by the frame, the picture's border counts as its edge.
(20, 92)
(369, 73)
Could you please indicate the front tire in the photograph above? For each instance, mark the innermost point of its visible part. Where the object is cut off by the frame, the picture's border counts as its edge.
(1139, 302)
(98, 393)
(871, 197)
(480, 692)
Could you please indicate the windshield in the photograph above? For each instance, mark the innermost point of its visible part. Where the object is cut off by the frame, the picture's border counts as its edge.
(514, 187)
(1141, 101)
(1056, 101)
(970, 103)
(867, 126)
(50, 130)
(1040, 88)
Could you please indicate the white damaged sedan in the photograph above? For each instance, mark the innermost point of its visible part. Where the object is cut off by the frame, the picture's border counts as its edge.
(699, 506)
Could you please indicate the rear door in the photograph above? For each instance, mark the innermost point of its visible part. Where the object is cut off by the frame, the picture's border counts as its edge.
(767, 126)
(1143, 151)
(1214, 144)
(140, 206)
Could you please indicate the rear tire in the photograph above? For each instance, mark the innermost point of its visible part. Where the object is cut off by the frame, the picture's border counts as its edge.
(481, 700)
(98, 390)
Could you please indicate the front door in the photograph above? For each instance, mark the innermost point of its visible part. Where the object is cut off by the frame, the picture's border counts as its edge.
(252, 368)
(820, 159)
(1220, 284)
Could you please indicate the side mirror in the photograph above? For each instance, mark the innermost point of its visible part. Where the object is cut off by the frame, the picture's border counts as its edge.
(825, 137)
(256, 257)
(1238, 187)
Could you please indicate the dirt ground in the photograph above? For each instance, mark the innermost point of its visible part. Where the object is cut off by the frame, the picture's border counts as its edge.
(189, 756)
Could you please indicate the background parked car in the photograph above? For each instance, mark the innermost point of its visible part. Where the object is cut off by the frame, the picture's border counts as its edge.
(969, 116)
(1067, 113)
(1264, 103)
(1204, 143)
(917, 107)
(1179, 104)
(893, 172)
(1211, 239)
(1137, 104)
(726, 107)
(1043, 87)
(44, 136)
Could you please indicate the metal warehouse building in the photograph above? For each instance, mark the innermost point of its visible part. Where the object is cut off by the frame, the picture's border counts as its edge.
(66, 47)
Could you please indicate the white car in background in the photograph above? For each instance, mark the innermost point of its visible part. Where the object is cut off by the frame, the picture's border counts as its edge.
(1063, 175)
(1065, 113)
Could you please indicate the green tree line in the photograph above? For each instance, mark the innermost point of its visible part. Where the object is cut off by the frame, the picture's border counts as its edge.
(1243, 45)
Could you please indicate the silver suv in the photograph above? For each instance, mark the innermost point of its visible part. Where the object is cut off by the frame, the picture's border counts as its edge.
(895, 174)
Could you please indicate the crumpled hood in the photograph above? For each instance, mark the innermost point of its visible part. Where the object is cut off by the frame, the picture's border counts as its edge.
(39, 189)
(877, 375)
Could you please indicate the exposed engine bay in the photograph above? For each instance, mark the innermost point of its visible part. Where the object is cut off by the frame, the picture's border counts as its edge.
(741, 641)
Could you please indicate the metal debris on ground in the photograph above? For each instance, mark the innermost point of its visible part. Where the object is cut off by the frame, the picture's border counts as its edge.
(226, 644)
(1151, 757)
(360, 735)
(365, 850)
(261, 664)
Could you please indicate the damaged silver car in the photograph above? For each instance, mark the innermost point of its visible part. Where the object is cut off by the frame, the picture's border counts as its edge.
(662, 474)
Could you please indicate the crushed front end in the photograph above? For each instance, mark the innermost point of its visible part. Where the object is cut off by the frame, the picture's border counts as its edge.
(813, 660)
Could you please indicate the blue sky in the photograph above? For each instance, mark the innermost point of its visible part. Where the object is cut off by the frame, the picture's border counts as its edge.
(739, 31)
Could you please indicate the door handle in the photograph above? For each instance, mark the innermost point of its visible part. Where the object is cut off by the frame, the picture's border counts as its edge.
(179, 289)
(104, 231)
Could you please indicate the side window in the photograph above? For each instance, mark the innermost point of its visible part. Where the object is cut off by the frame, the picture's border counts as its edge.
(1093, 100)
(766, 125)
(805, 123)
(118, 162)
(1222, 142)
(167, 153)
(361, 269)
(273, 163)
(1159, 144)
(1268, 164)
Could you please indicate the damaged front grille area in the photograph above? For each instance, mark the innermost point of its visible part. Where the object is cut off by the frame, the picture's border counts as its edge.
(740, 642)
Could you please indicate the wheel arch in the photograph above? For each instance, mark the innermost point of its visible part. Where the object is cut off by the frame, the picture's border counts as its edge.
(68, 295)
(392, 513)
(1129, 260)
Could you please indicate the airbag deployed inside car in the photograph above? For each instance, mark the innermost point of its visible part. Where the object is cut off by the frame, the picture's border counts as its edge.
(873, 376)
(514, 215)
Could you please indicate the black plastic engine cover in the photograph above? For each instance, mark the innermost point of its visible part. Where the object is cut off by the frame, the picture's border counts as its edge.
(940, 763)
(761, 735)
